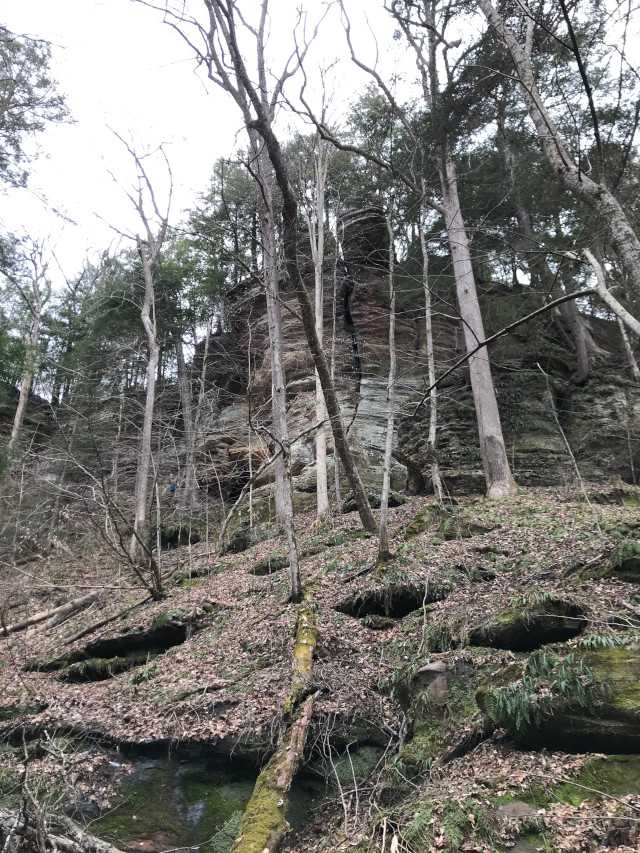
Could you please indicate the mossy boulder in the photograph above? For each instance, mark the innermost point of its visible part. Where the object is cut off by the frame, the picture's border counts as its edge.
(395, 598)
(378, 623)
(463, 527)
(438, 697)
(428, 517)
(582, 700)
(273, 562)
(395, 499)
(624, 562)
(527, 626)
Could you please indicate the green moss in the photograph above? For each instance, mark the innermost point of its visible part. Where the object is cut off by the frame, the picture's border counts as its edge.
(173, 614)
(273, 562)
(185, 804)
(305, 644)
(21, 709)
(97, 669)
(523, 698)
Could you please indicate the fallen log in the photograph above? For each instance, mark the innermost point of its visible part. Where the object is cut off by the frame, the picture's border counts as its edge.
(58, 614)
(264, 823)
(13, 828)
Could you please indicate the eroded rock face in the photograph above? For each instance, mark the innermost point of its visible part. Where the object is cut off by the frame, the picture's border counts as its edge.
(395, 599)
(582, 701)
(530, 626)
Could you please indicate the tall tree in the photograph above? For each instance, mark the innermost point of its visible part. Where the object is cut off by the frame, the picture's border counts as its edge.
(424, 25)
(223, 56)
(593, 191)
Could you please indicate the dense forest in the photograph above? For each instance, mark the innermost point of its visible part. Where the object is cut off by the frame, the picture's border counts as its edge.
(319, 502)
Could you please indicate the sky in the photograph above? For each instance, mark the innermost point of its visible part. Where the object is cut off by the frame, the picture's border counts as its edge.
(121, 69)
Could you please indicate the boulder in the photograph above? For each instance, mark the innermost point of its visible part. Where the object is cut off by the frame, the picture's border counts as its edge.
(586, 701)
(528, 626)
(394, 598)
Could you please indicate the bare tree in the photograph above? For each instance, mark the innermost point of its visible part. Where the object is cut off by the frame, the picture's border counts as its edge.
(384, 554)
(424, 24)
(34, 292)
(149, 246)
(436, 480)
(218, 46)
(316, 224)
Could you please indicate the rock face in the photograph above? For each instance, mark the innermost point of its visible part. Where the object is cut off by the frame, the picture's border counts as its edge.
(525, 628)
(587, 700)
(600, 419)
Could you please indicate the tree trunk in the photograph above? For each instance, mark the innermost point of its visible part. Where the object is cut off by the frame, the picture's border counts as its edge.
(264, 822)
(596, 195)
(316, 234)
(284, 499)
(607, 297)
(138, 552)
(492, 449)
(436, 481)
(187, 493)
(384, 555)
(290, 241)
(34, 302)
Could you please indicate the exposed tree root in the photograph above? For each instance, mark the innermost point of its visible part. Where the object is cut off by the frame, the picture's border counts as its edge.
(264, 824)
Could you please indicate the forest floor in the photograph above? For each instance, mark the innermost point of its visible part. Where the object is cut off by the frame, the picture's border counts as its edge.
(225, 684)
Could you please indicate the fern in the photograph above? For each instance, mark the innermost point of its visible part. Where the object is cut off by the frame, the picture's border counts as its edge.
(606, 641)
(549, 683)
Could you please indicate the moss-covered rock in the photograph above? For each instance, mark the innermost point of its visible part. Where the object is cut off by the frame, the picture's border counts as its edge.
(378, 623)
(463, 527)
(273, 562)
(429, 517)
(624, 562)
(98, 669)
(396, 598)
(395, 499)
(539, 620)
(583, 701)
(439, 700)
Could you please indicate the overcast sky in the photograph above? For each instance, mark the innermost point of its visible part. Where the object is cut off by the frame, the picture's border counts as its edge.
(121, 67)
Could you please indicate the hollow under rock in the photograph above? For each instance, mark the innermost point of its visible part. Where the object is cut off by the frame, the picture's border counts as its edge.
(526, 628)
(395, 599)
(105, 658)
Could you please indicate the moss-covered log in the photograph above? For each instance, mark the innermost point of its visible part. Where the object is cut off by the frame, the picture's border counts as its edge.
(306, 639)
(264, 823)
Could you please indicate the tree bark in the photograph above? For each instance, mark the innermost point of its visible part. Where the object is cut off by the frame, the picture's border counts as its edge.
(264, 822)
(187, 492)
(384, 555)
(498, 477)
(141, 495)
(283, 487)
(436, 480)
(60, 612)
(316, 234)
